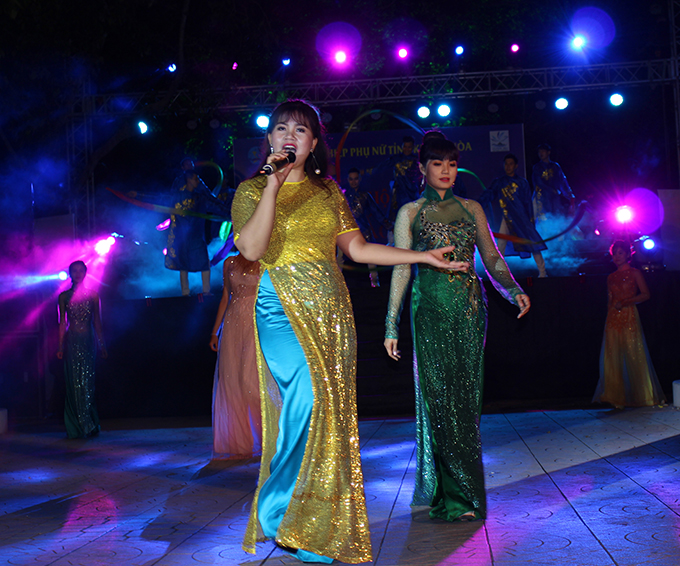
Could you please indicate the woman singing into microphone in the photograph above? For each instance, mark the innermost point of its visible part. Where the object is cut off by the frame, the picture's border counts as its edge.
(310, 495)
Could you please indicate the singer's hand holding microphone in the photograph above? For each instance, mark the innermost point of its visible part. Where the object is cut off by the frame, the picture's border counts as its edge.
(279, 162)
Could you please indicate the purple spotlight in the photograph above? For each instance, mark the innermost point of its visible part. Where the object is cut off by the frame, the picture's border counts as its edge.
(594, 25)
(103, 247)
(649, 211)
(234, 66)
(402, 53)
(338, 37)
(514, 48)
(164, 225)
(624, 214)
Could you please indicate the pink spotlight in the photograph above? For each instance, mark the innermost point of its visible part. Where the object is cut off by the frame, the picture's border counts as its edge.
(164, 225)
(624, 214)
(234, 66)
(102, 247)
(340, 57)
(514, 48)
(403, 53)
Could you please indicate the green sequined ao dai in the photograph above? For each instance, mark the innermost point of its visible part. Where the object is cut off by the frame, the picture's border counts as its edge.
(449, 325)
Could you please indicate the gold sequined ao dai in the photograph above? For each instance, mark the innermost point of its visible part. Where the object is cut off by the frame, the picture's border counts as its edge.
(327, 513)
(627, 376)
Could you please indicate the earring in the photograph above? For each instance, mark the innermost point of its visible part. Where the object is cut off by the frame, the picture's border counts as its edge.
(271, 149)
(317, 169)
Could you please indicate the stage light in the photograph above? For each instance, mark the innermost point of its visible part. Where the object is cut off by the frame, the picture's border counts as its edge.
(423, 112)
(648, 209)
(561, 103)
(444, 110)
(63, 275)
(514, 48)
(143, 128)
(578, 43)
(163, 225)
(616, 99)
(460, 50)
(102, 247)
(285, 62)
(234, 66)
(648, 254)
(262, 121)
(165, 251)
(595, 27)
(624, 214)
(172, 68)
(338, 42)
(402, 53)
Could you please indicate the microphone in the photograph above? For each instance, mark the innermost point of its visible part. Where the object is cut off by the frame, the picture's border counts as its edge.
(274, 166)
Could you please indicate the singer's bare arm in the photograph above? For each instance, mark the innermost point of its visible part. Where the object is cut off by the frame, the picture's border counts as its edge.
(358, 249)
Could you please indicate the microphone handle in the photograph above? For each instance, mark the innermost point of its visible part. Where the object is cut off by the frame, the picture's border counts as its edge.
(274, 166)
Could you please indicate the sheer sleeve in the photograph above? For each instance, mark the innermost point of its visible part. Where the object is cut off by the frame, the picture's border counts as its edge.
(494, 263)
(401, 274)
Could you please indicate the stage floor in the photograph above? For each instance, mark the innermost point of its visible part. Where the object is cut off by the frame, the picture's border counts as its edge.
(576, 487)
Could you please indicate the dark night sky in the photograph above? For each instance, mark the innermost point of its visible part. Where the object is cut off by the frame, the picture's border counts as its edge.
(124, 45)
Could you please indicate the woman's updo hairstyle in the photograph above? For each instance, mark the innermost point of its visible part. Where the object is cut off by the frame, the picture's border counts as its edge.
(622, 245)
(436, 146)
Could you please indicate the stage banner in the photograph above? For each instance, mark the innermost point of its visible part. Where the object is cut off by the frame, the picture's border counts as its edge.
(481, 151)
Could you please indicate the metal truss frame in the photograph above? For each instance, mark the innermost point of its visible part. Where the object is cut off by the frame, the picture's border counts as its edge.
(396, 90)
(360, 92)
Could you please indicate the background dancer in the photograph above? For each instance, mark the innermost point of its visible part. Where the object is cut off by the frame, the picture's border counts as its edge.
(187, 248)
(367, 213)
(552, 193)
(508, 208)
(80, 330)
(237, 424)
(627, 376)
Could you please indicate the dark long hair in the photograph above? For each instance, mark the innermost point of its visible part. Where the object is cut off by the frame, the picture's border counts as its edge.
(303, 113)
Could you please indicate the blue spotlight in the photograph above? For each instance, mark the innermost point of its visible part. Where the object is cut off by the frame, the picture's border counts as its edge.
(444, 110)
(262, 121)
(648, 243)
(423, 112)
(460, 50)
(561, 103)
(171, 68)
(285, 62)
(578, 43)
(143, 128)
(63, 275)
(616, 99)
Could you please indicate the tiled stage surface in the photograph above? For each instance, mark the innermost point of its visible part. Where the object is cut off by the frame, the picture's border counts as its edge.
(568, 488)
